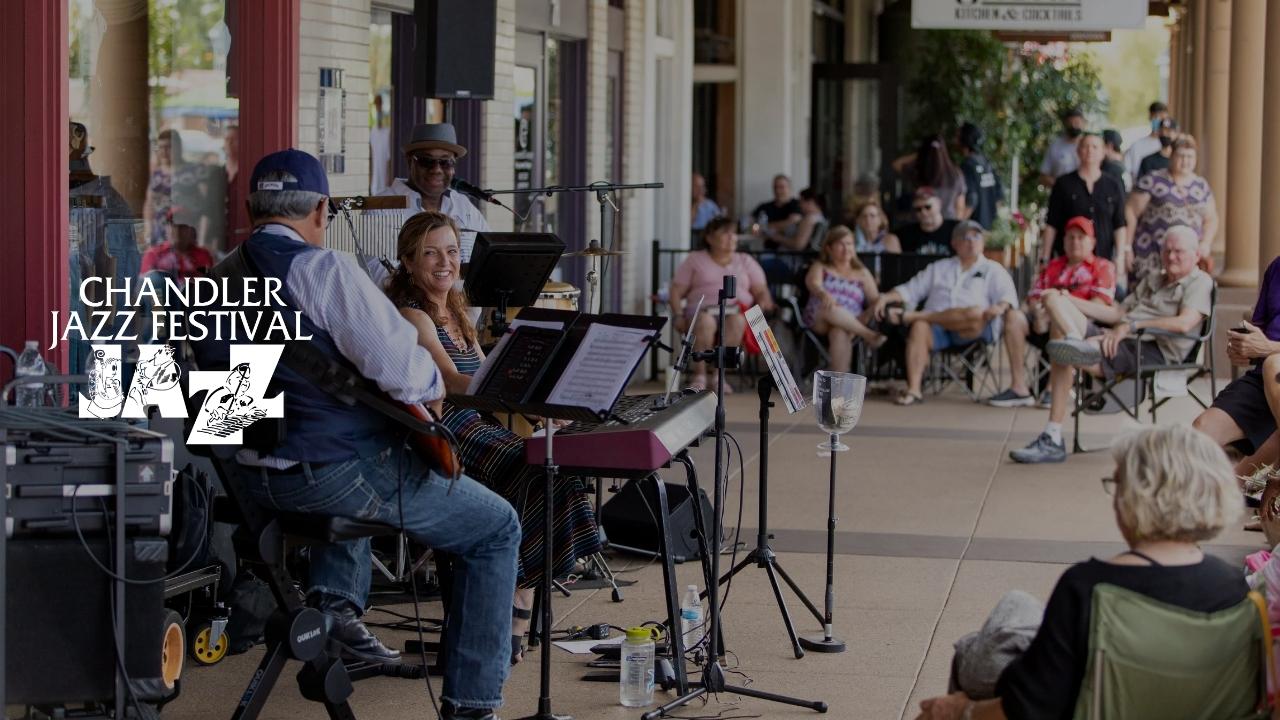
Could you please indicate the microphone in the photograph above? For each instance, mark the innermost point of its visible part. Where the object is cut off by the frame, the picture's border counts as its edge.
(467, 188)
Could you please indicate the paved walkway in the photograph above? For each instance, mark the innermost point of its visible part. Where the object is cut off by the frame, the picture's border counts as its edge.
(935, 524)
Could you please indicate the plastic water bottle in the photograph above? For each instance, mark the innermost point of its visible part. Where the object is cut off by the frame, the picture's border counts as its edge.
(635, 683)
(30, 364)
(691, 615)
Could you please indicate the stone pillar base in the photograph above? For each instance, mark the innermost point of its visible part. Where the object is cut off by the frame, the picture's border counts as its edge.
(1242, 278)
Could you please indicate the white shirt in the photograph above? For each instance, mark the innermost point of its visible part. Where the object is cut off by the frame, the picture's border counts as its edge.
(1142, 147)
(1060, 157)
(455, 205)
(943, 285)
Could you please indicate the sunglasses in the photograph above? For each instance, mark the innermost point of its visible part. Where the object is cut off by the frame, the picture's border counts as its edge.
(427, 163)
(922, 208)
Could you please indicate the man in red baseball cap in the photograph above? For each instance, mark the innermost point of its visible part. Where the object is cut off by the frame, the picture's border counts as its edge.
(1086, 280)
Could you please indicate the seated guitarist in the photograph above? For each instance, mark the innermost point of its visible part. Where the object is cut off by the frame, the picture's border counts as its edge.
(349, 461)
(425, 288)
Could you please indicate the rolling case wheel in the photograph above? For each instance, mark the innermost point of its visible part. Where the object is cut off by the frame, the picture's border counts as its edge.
(199, 648)
(172, 649)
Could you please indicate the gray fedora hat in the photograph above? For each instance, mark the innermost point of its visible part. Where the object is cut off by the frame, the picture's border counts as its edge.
(434, 135)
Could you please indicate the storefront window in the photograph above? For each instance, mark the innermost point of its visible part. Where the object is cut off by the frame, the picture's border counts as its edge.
(153, 134)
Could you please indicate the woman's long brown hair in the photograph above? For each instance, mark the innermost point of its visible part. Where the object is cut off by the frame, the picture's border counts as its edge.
(403, 291)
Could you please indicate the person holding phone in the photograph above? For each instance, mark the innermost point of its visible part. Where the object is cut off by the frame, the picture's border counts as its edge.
(1247, 408)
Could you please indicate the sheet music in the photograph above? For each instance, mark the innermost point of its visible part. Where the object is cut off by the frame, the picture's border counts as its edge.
(778, 367)
(477, 380)
(601, 367)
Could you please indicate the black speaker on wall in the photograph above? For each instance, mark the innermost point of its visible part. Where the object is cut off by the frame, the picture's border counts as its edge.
(630, 519)
(454, 48)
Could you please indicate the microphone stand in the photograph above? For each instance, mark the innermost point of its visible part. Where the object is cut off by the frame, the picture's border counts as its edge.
(712, 681)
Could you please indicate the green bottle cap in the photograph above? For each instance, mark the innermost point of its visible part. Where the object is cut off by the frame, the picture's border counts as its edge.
(639, 634)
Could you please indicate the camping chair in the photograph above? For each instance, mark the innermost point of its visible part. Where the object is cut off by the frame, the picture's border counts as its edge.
(971, 366)
(1196, 365)
(1150, 660)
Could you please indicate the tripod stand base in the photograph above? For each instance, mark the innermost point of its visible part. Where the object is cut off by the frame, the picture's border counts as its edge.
(822, 644)
(546, 716)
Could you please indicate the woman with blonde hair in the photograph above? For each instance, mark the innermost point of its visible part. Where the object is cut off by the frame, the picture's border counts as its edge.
(424, 287)
(1172, 489)
(871, 227)
(841, 292)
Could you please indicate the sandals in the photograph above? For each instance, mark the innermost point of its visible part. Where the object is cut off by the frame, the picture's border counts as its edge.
(517, 640)
(907, 399)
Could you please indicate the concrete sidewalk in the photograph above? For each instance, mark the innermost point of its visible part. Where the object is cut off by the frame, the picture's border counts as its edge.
(935, 524)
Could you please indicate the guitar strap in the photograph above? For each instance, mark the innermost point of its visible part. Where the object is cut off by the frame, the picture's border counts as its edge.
(321, 370)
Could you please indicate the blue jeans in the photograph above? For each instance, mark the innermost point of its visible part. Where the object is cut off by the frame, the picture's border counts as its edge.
(468, 520)
(945, 339)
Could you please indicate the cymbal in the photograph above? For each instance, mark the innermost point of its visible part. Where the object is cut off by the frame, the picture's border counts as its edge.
(594, 251)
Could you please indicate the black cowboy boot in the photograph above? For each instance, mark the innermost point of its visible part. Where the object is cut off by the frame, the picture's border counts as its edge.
(349, 634)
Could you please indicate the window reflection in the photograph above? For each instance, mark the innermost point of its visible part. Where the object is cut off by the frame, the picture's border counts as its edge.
(154, 136)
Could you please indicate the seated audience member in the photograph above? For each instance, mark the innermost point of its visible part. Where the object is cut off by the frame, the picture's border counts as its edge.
(871, 228)
(1172, 489)
(780, 214)
(1084, 279)
(962, 296)
(179, 256)
(802, 234)
(425, 289)
(1176, 300)
(930, 234)
(702, 209)
(840, 289)
(701, 276)
(1244, 410)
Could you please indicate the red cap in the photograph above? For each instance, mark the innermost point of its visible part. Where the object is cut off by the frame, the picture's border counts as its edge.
(1081, 223)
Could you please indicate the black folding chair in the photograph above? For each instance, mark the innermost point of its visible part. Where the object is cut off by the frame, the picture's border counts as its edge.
(1197, 363)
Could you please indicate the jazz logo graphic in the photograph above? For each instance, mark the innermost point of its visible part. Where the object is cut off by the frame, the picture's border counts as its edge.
(233, 398)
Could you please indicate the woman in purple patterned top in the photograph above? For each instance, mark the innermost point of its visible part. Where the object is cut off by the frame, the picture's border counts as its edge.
(1164, 199)
(840, 291)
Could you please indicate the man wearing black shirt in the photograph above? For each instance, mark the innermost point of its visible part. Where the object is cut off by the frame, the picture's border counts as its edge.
(1091, 193)
(930, 234)
(1159, 160)
(782, 211)
(983, 188)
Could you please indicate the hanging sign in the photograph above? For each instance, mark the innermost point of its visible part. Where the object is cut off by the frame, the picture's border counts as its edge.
(1029, 15)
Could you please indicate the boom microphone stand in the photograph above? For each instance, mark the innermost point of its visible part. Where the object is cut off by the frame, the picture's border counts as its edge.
(713, 674)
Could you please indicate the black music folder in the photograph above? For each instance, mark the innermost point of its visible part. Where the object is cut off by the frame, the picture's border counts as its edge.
(562, 364)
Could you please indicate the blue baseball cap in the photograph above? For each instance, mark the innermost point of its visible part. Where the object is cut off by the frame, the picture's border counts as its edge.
(305, 168)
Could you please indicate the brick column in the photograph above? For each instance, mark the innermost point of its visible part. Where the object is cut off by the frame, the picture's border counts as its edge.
(33, 177)
(1244, 203)
(265, 74)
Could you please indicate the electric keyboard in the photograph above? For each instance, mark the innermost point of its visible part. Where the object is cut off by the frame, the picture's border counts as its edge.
(645, 438)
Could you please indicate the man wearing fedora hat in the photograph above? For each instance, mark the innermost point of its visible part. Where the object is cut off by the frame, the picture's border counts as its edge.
(433, 152)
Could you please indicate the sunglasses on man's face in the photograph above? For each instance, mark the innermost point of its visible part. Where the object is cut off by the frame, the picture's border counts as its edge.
(427, 163)
(922, 208)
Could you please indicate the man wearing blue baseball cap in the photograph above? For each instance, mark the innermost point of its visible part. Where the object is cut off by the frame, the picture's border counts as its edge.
(348, 461)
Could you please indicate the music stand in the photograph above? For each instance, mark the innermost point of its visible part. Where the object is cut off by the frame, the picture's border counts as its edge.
(525, 374)
(509, 269)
